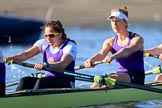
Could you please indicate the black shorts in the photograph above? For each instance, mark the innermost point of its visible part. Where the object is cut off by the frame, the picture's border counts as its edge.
(2, 89)
(136, 77)
(45, 82)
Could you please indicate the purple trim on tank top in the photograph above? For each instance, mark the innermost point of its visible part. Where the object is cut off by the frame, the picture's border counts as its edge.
(134, 62)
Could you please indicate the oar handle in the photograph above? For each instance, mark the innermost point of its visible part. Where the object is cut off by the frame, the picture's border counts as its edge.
(156, 70)
(151, 55)
(93, 64)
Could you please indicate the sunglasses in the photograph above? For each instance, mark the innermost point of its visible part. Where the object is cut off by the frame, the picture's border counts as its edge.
(51, 35)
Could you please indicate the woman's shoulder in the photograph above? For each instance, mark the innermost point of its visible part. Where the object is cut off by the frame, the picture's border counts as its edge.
(41, 41)
(110, 40)
(139, 37)
(135, 34)
(71, 43)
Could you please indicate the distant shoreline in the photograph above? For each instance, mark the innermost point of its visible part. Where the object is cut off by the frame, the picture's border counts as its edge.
(84, 13)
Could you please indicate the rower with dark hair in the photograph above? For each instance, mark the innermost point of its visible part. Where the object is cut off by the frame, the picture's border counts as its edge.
(59, 52)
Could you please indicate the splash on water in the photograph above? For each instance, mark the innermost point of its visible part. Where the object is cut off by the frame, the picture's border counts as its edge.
(20, 71)
(9, 39)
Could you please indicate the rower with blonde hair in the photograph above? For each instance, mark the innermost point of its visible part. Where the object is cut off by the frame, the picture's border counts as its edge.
(126, 48)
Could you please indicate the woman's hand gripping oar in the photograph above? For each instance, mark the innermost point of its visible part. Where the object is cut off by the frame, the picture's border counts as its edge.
(93, 64)
(104, 61)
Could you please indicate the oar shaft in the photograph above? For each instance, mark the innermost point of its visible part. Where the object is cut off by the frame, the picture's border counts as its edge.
(142, 87)
(148, 72)
(16, 82)
(94, 78)
(79, 75)
(12, 83)
(24, 64)
(113, 82)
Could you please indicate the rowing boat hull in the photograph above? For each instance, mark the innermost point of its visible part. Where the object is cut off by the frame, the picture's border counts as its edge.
(75, 97)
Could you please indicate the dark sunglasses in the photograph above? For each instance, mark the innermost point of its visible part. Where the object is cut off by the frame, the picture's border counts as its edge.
(51, 35)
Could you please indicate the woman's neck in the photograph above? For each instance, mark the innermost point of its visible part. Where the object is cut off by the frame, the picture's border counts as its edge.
(58, 44)
(123, 35)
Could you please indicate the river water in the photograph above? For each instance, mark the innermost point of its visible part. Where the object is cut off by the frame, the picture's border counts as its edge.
(89, 41)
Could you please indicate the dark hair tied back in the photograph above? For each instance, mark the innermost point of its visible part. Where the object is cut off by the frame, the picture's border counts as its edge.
(57, 26)
(59, 23)
(124, 10)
